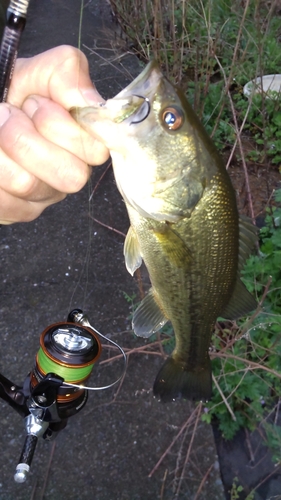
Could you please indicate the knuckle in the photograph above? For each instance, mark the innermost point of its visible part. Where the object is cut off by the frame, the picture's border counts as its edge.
(74, 175)
(14, 138)
(20, 144)
(72, 56)
(23, 184)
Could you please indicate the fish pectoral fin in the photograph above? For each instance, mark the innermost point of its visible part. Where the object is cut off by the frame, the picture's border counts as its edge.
(248, 236)
(241, 302)
(148, 318)
(132, 253)
(173, 246)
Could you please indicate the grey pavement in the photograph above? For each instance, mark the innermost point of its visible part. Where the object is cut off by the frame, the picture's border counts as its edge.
(63, 260)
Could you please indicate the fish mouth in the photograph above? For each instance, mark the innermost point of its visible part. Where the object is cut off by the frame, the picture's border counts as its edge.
(133, 104)
(145, 84)
(130, 106)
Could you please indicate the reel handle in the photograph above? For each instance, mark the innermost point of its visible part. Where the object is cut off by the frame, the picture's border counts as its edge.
(35, 428)
(25, 460)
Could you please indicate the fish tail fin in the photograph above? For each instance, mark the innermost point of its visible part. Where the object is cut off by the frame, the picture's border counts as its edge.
(176, 380)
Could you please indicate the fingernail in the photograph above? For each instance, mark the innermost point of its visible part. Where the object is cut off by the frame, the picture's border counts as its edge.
(4, 113)
(91, 96)
(30, 105)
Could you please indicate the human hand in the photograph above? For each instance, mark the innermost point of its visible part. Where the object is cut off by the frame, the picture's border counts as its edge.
(44, 154)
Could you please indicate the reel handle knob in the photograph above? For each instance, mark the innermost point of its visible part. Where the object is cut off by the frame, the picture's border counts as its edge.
(35, 428)
(25, 460)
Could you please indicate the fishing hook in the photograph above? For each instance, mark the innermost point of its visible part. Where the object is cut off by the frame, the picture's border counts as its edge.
(142, 118)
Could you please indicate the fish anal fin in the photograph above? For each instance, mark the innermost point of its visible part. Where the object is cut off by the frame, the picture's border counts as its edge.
(175, 380)
(241, 302)
(132, 253)
(148, 318)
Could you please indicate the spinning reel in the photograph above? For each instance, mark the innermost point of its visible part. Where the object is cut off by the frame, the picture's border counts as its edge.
(55, 389)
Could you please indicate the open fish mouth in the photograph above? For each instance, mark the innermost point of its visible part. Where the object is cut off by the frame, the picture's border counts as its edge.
(133, 104)
(132, 109)
(142, 112)
(145, 84)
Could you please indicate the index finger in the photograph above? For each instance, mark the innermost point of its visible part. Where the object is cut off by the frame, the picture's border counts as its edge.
(60, 74)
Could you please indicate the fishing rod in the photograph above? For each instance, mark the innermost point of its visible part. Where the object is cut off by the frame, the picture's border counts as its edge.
(15, 23)
(55, 389)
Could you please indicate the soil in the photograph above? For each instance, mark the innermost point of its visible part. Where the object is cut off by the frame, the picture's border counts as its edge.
(66, 259)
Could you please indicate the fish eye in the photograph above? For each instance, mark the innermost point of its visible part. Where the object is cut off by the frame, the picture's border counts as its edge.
(172, 118)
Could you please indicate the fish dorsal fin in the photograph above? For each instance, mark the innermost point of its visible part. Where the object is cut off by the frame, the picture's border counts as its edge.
(148, 318)
(248, 235)
(241, 302)
(132, 253)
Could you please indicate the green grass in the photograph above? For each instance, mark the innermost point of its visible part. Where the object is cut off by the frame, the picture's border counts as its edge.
(249, 372)
(212, 47)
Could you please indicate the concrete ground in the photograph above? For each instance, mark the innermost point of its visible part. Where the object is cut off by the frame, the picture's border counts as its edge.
(64, 260)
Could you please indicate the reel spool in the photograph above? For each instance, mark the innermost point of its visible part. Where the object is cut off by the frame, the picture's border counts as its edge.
(70, 351)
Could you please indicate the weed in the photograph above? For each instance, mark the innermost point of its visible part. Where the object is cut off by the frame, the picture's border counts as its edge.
(246, 355)
(273, 440)
(236, 489)
(131, 301)
(210, 47)
(264, 126)
(249, 376)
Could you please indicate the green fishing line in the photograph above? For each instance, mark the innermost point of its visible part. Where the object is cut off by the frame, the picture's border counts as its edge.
(74, 374)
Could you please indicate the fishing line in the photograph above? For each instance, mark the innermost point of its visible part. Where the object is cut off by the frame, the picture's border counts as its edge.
(118, 379)
(70, 350)
(82, 319)
(80, 24)
(84, 273)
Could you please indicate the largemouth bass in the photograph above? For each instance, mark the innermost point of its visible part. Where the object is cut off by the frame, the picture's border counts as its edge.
(184, 223)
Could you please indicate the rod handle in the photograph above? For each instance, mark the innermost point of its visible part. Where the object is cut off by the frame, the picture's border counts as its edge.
(25, 460)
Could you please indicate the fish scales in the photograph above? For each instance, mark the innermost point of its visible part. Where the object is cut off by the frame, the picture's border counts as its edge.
(193, 296)
(184, 223)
